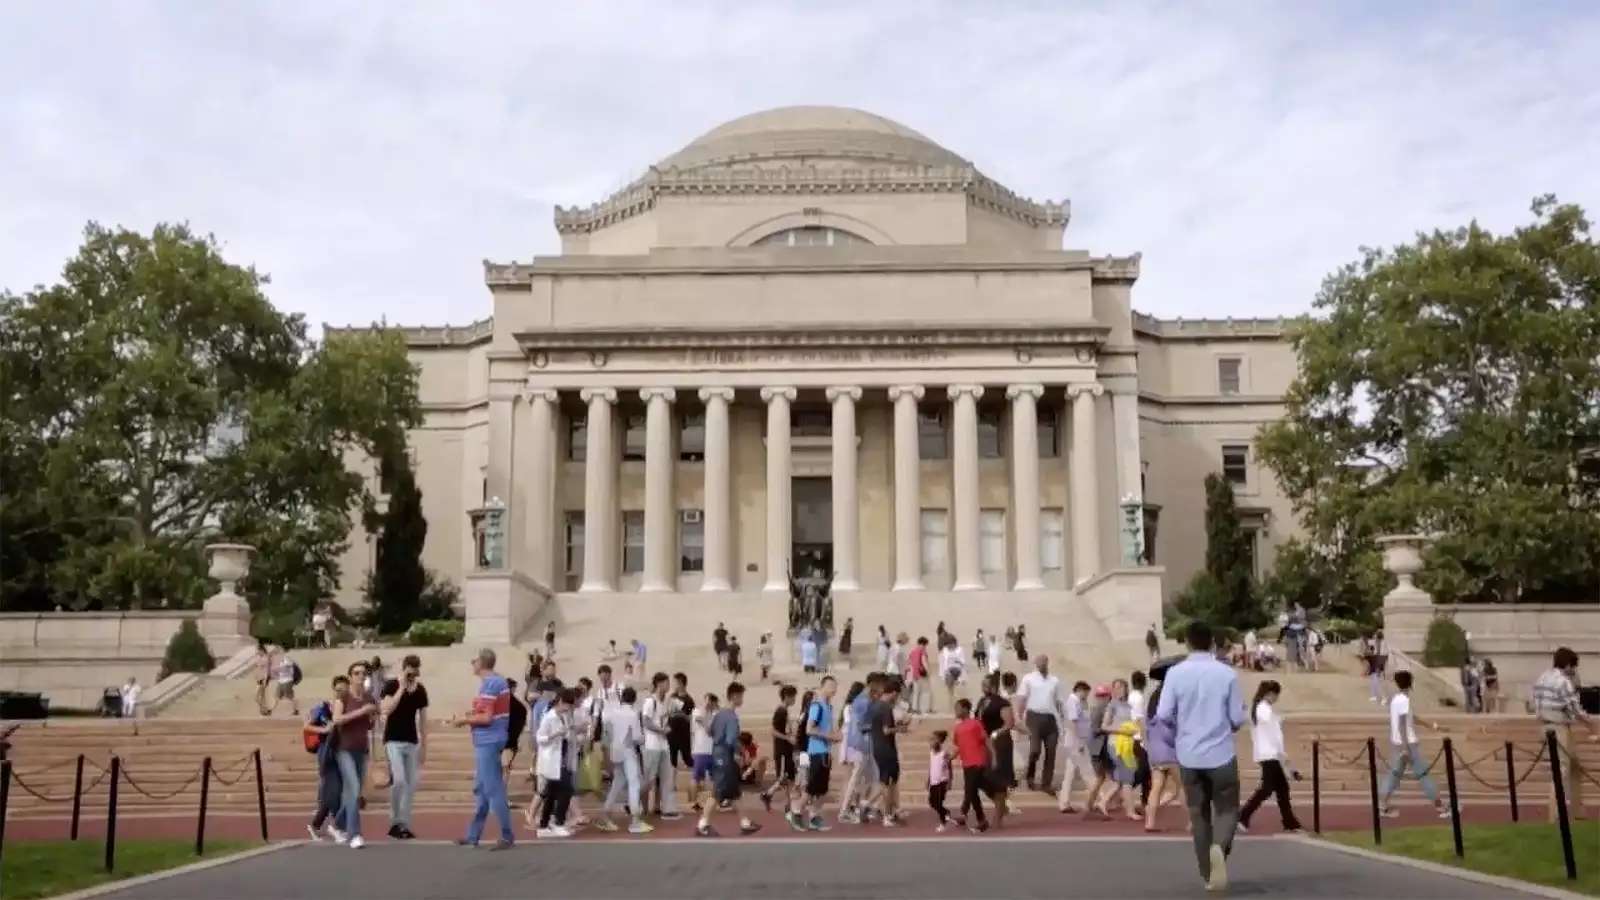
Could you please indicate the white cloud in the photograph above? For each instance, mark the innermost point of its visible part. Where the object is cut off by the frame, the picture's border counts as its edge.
(369, 156)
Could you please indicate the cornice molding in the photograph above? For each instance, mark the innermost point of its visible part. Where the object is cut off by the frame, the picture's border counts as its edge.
(479, 332)
(1181, 329)
(780, 335)
(866, 260)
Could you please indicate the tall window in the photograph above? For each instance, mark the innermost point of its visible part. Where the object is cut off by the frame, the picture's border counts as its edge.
(691, 541)
(991, 444)
(692, 437)
(1236, 464)
(1228, 371)
(574, 542)
(1252, 539)
(633, 540)
(933, 438)
(812, 236)
(1052, 540)
(992, 541)
(577, 439)
(633, 439)
(935, 541)
(812, 422)
(1049, 432)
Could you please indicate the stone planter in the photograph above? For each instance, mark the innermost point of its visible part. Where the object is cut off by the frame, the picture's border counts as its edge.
(225, 618)
(229, 564)
(1402, 558)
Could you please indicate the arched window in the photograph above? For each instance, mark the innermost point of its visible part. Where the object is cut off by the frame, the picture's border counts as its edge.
(811, 236)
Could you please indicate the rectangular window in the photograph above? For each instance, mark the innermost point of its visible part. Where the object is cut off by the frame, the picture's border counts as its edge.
(935, 541)
(1049, 432)
(1236, 464)
(811, 422)
(692, 438)
(634, 438)
(932, 436)
(1252, 537)
(992, 541)
(574, 541)
(1052, 540)
(1228, 372)
(577, 439)
(691, 541)
(633, 540)
(991, 444)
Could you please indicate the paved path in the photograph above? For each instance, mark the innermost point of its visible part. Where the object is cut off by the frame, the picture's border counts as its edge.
(924, 869)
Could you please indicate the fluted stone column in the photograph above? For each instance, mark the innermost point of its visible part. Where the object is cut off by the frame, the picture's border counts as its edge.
(660, 527)
(1085, 483)
(1025, 481)
(907, 489)
(779, 515)
(539, 517)
(846, 504)
(964, 434)
(599, 491)
(718, 574)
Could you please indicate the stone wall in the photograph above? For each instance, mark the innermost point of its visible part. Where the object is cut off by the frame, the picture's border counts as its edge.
(1518, 637)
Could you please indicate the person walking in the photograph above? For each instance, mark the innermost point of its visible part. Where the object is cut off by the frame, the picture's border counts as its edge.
(557, 739)
(952, 668)
(1201, 702)
(884, 646)
(821, 735)
(352, 717)
(1406, 750)
(883, 726)
(405, 727)
(1019, 642)
(679, 710)
(999, 722)
(1076, 736)
(623, 734)
(726, 771)
(1266, 737)
(980, 652)
(1555, 703)
(321, 738)
(1152, 643)
(972, 748)
(994, 656)
(490, 723)
(917, 665)
(783, 750)
(1160, 745)
(845, 638)
(1042, 705)
(856, 753)
(659, 777)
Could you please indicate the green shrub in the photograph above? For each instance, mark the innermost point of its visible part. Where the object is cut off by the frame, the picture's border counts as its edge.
(187, 652)
(439, 597)
(436, 632)
(1340, 629)
(1446, 644)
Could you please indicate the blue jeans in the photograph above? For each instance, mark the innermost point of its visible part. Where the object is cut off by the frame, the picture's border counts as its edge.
(403, 775)
(1407, 754)
(352, 775)
(489, 789)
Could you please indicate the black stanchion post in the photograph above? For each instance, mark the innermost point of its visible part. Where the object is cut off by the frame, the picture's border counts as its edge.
(5, 801)
(261, 795)
(1511, 779)
(205, 795)
(111, 814)
(77, 796)
(1372, 782)
(1554, 749)
(1316, 787)
(1455, 803)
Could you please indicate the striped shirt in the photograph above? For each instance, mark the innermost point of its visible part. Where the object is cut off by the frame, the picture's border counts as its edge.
(1555, 700)
(494, 697)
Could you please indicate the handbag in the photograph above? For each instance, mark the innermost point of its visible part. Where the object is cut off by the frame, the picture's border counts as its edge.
(588, 778)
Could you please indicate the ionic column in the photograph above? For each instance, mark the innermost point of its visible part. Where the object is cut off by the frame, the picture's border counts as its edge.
(907, 489)
(599, 491)
(846, 512)
(964, 427)
(1025, 481)
(659, 527)
(718, 574)
(1085, 483)
(540, 514)
(778, 486)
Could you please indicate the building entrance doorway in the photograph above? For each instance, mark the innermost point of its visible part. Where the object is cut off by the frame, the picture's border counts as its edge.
(812, 551)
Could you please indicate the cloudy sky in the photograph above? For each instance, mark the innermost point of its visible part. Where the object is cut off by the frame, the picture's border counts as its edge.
(370, 155)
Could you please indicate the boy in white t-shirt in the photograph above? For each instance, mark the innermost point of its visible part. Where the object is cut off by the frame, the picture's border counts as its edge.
(1405, 748)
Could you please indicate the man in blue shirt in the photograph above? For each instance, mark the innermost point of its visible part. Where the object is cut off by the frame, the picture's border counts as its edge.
(1201, 702)
(490, 723)
(857, 741)
(820, 738)
(725, 767)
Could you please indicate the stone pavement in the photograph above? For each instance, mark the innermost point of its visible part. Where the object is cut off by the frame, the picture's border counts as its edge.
(925, 869)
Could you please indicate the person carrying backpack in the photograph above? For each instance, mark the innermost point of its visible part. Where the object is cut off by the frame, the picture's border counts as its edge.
(323, 740)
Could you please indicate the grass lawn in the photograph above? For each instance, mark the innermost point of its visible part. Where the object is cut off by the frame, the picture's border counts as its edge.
(1531, 852)
(47, 868)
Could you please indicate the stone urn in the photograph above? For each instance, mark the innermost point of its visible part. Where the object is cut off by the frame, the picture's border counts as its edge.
(1402, 558)
(229, 564)
(225, 617)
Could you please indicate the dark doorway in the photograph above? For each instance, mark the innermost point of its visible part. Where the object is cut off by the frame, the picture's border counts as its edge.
(813, 527)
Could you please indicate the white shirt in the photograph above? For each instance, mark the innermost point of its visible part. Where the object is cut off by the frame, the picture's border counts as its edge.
(1267, 735)
(950, 658)
(554, 729)
(285, 670)
(1136, 700)
(130, 697)
(622, 730)
(1399, 706)
(699, 734)
(654, 712)
(1041, 693)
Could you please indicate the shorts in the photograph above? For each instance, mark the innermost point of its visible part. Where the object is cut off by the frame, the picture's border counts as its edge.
(285, 690)
(819, 767)
(725, 781)
(888, 767)
(783, 761)
(702, 766)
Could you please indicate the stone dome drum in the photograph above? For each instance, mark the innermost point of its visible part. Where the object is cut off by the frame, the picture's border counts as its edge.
(801, 133)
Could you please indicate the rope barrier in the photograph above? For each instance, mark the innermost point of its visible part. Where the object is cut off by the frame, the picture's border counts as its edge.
(1527, 773)
(128, 777)
(239, 772)
(17, 780)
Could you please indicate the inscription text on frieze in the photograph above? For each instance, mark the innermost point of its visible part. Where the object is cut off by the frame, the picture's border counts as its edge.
(813, 356)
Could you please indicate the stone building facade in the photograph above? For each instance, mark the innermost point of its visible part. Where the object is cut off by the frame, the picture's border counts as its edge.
(814, 340)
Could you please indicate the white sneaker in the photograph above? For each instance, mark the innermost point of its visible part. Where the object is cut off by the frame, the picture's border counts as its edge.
(641, 828)
(315, 838)
(357, 842)
(338, 836)
(561, 831)
(1444, 812)
(1219, 870)
(545, 833)
(1243, 829)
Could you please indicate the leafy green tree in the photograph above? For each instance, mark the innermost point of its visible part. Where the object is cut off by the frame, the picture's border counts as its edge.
(1338, 581)
(398, 580)
(1224, 592)
(154, 400)
(1452, 386)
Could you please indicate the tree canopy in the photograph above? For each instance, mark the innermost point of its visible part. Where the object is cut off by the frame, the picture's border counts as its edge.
(1223, 593)
(1452, 386)
(155, 400)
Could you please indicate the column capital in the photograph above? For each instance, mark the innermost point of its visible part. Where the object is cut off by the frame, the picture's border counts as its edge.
(650, 393)
(531, 393)
(914, 391)
(768, 394)
(1093, 389)
(1016, 390)
(956, 391)
(843, 390)
(725, 394)
(591, 394)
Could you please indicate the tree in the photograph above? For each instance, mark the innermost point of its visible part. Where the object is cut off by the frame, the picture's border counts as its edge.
(1338, 581)
(398, 580)
(155, 400)
(1224, 592)
(1452, 386)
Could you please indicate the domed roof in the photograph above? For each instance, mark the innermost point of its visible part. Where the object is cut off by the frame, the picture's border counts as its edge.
(811, 131)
